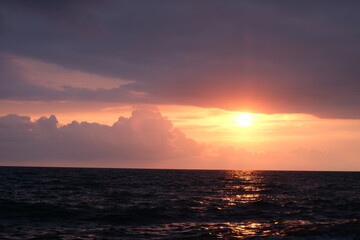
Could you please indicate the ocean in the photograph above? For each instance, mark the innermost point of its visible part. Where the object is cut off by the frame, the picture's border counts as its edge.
(90, 203)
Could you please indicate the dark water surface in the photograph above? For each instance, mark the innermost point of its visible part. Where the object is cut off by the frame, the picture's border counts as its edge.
(74, 203)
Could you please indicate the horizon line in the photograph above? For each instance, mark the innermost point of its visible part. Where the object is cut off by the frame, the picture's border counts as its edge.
(182, 169)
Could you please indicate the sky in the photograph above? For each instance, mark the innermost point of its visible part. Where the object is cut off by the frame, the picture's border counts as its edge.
(266, 85)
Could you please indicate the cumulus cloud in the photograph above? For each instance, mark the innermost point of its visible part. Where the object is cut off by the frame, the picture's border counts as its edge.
(141, 140)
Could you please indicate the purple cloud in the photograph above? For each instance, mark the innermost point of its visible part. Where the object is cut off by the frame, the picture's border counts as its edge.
(143, 139)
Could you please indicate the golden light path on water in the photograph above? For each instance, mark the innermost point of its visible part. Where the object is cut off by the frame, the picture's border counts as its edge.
(243, 187)
(250, 185)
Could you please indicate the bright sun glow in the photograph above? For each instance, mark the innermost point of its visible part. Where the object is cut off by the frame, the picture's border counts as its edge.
(244, 119)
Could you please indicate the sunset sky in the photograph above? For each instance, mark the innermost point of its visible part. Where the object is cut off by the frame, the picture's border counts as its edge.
(267, 85)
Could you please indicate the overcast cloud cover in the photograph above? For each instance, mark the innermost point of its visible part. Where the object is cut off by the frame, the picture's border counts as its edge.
(262, 56)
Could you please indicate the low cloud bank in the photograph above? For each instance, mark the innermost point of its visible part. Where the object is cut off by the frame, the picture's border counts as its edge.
(143, 138)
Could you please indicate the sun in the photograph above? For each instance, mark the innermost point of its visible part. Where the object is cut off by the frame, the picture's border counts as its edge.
(244, 119)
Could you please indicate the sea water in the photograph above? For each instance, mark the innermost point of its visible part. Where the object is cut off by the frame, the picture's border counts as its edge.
(76, 203)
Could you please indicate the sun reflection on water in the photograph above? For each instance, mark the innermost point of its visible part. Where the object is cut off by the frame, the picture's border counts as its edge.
(242, 187)
(244, 230)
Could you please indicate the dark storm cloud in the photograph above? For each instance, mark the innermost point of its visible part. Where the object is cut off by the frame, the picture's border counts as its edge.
(266, 56)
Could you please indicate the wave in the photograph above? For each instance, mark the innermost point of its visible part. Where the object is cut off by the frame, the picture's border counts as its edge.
(346, 230)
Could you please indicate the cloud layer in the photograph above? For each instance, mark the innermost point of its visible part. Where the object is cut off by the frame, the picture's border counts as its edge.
(272, 57)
